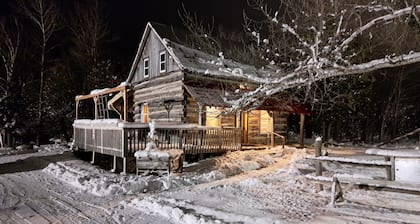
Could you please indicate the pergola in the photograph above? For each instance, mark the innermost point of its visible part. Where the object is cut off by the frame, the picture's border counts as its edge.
(122, 94)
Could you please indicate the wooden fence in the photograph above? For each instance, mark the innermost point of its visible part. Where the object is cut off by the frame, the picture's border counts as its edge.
(125, 139)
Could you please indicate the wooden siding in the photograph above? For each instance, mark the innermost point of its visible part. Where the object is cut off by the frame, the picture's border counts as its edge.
(192, 110)
(228, 120)
(280, 122)
(155, 92)
(152, 50)
(254, 135)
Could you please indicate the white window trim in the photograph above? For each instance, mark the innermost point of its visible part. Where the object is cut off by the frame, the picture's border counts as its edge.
(160, 61)
(144, 67)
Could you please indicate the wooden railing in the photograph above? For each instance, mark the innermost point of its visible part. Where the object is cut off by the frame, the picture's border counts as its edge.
(124, 139)
(272, 137)
(192, 140)
(104, 140)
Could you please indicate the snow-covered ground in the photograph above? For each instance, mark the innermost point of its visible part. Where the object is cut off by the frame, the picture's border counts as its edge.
(255, 186)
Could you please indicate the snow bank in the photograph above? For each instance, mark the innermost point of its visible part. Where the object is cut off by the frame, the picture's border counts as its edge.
(186, 212)
(98, 182)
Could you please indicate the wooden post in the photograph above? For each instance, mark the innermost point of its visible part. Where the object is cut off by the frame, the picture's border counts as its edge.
(393, 168)
(318, 146)
(124, 166)
(301, 124)
(200, 114)
(272, 139)
(77, 109)
(336, 192)
(125, 110)
(318, 164)
(93, 158)
(114, 165)
(95, 100)
(390, 171)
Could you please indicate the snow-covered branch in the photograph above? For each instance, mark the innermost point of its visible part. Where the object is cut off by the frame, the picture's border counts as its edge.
(376, 22)
(313, 40)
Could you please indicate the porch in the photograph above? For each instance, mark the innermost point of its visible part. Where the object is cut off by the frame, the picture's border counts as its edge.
(122, 139)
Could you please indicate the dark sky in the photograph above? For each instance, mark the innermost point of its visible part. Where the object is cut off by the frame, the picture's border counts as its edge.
(128, 18)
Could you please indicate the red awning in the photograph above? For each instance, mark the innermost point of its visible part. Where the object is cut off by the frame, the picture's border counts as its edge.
(284, 103)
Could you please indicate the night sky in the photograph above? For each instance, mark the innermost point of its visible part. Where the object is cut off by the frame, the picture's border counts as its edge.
(128, 18)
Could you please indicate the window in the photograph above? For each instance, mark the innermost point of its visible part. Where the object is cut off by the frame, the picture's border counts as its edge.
(266, 122)
(146, 67)
(145, 113)
(212, 117)
(162, 61)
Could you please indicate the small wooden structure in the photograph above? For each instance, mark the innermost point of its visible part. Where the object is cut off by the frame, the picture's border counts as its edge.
(159, 161)
(185, 91)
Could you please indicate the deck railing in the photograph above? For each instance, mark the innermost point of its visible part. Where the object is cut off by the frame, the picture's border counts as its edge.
(124, 139)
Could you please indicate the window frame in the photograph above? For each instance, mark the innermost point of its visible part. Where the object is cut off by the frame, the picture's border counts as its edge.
(162, 62)
(146, 68)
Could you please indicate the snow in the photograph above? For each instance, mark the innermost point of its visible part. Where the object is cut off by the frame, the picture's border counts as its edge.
(98, 123)
(253, 186)
(97, 91)
(100, 183)
(395, 153)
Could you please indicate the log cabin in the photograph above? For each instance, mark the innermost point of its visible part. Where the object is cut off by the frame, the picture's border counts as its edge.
(185, 91)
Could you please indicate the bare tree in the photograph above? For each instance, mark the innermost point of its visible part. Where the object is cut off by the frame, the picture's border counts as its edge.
(315, 40)
(89, 29)
(9, 48)
(10, 39)
(215, 41)
(45, 15)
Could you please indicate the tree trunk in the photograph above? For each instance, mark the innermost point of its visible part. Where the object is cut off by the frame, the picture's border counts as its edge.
(329, 132)
(41, 95)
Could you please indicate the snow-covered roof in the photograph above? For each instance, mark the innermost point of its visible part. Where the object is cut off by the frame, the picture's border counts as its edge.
(195, 61)
(209, 97)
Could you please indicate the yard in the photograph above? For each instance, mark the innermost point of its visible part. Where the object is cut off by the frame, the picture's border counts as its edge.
(253, 186)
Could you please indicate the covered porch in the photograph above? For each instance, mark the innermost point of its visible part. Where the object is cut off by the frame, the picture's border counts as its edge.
(264, 126)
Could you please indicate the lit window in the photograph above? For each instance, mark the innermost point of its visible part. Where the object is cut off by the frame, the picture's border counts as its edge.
(212, 117)
(162, 61)
(145, 113)
(146, 67)
(266, 122)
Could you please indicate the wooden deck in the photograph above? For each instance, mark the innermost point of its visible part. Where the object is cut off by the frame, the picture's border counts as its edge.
(124, 139)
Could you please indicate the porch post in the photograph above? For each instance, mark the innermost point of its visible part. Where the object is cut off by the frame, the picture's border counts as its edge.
(93, 158)
(95, 100)
(114, 165)
(125, 110)
(124, 166)
(77, 109)
(302, 137)
(200, 114)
